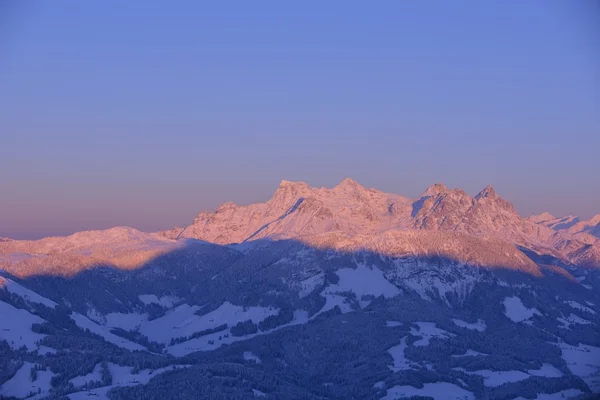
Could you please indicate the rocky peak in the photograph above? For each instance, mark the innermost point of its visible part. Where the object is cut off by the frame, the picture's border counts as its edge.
(292, 187)
(348, 185)
(229, 205)
(440, 208)
(489, 198)
(487, 192)
(435, 189)
(289, 193)
(541, 218)
(595, 219)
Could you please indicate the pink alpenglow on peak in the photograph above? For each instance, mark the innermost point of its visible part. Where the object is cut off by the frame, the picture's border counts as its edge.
(346, 217)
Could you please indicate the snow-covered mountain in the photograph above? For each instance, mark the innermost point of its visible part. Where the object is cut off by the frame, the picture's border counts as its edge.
(317, 293)
(570, 224)
(299, 211)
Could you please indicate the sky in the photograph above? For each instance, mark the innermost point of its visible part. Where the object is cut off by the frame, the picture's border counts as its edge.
(144, 113)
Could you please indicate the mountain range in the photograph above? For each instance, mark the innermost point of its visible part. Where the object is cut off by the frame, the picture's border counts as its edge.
(342, 292)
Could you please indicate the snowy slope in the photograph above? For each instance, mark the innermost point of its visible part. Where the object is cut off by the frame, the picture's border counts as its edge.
(15, 327)
(87, 324)
(21, 384)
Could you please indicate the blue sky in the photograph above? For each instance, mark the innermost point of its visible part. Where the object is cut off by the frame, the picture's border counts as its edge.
(144, 113)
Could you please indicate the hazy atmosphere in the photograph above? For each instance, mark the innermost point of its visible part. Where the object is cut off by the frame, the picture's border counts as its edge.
(146, 116)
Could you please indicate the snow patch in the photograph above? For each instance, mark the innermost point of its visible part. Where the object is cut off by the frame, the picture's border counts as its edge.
(563, 394)
(29, 295)
(332, 300)
(20, 385)
(127, 322)
(400, 360)
(183, 321)
(121, 376)
(379, 385)
(470, 353)
(547, 370)
(43, 350)
(438, 390)
(570, 320)
(95, 375)
(477, 326)
(250, 356)
(165, 301)
(516, 311)
(581, 307)
(362, 281)
(308, 285)
(497, 378)
(584, 361)
(428, 331)
(85, 323)
(215, 340)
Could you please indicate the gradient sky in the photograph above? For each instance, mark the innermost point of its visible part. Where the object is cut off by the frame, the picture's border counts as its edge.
(143, 113)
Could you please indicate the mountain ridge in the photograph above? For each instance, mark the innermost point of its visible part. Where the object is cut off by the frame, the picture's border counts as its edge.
(346, 216)
(299, 210)
(339, 293)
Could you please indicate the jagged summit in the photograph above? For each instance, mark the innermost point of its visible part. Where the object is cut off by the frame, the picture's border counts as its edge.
(349, 213)
(226, 206)
(543, 217)
(348, 184)
(298, 211)
(487, 192)
(292, 184)
(435, 189)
